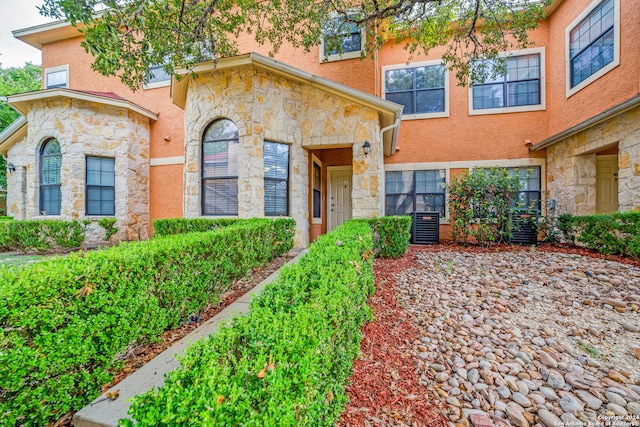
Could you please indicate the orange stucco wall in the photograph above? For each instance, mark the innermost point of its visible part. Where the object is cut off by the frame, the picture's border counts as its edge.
(459, 137)
(616, 86)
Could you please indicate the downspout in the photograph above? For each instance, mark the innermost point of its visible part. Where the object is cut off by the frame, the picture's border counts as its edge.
(394, 137)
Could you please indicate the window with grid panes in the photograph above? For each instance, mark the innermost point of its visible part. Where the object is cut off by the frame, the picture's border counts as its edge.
(50, 165)
(101, 182)
(531, 194)
(341, 37)
(276, 179)
(519, 86)
(420, 89)
(415, 191)
(317, 191)
(220, 168)
(591, 42)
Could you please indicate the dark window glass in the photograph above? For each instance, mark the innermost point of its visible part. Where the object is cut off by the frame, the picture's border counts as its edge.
(317, 191)
(341, 37)
(50, 165)
(276, 179)
(419, 89)
(157, 74)
(531, 195)
(409, 191)
(591, 43)
(220, 168)
(519, 86)
(101, 181)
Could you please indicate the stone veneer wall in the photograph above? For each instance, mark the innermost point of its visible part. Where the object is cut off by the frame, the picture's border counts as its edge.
(571, 164)
(267, 106)
(83, 129)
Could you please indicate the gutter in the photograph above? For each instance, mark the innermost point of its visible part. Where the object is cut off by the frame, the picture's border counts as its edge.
(598, 118)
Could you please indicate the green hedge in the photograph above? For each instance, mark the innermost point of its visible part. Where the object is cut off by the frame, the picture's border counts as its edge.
(63, 322)
(41, 235)
(166, 227)
(618, 233)
(391, 235)
(287, 361)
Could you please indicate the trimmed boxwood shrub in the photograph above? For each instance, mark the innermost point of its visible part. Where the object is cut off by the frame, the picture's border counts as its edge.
(63, 322)
(391, 235)
(166, 227)
(618, 233)
(41, 235)
(287, 361)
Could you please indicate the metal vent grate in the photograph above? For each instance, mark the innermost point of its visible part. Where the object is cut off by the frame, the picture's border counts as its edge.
(525, 230)
(426, 228)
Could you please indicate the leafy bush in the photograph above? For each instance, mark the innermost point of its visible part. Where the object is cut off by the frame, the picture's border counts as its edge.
(286, 362)
(166, 227)
(63, 322)
(391, 235)
(41, 235)
(618, 233)
(483, 204)
(109, 225)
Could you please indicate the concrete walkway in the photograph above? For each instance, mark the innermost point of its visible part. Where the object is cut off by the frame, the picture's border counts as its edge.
(104, 412)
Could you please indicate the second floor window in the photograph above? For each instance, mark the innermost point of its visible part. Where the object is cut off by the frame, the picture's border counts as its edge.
(420, 89)
(157, 74)
(591, 43)
(57, 77)
(341, 40)
(519, 86)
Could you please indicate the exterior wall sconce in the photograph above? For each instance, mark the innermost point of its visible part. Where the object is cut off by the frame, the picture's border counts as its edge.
(366, 147)
(11, 168)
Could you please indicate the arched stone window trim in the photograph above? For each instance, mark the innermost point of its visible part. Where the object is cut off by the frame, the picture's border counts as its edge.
(219, 168)
(49, 177)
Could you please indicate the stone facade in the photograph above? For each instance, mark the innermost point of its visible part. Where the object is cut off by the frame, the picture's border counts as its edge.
(571, 164)
(85, 128)
(268, 106)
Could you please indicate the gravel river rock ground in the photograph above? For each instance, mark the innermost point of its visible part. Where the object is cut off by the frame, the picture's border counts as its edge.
(526, 338)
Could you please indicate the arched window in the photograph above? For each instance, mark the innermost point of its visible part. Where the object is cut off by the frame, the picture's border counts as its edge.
(50, 163)
(220, 168)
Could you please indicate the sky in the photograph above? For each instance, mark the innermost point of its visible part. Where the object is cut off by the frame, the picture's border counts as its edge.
(18, 14)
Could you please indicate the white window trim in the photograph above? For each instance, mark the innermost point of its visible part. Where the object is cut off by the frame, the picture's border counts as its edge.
(520, 108)
(55, 70)
(440, 114)
(345, 55)
(616, 48)
(315, 160)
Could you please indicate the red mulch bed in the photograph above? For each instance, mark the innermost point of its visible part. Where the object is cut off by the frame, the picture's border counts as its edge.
(384, 388)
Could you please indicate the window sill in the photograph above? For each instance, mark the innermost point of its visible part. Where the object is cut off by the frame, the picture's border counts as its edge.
(156, 85)
(440, 115)
(336, 57)
(507, 110)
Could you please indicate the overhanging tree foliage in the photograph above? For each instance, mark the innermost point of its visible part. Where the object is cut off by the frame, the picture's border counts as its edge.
(14, 80)
(128, 36)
